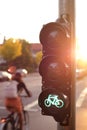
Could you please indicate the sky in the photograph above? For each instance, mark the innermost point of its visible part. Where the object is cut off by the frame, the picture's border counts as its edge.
(81, 18)
(25, 18)
(81, 28)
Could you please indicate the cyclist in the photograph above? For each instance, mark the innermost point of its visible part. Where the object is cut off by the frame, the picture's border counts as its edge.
(21, 85)
(12, 101)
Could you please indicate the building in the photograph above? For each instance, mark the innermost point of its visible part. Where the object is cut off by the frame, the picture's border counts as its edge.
(35, 47)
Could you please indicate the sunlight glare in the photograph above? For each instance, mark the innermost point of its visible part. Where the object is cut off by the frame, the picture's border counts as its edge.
(81, 35)
(82, 48)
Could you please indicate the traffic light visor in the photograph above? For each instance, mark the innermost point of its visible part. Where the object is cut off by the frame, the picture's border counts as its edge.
(51, 68)
(54, 35)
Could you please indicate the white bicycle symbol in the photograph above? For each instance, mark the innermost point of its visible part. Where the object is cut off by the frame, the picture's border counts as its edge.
(53, 100)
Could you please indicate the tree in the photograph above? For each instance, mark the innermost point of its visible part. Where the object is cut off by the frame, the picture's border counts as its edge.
(38, 57)
(11, 49)
(25, 60)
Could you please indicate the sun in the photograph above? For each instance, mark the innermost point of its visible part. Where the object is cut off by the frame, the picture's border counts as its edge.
(81, 53)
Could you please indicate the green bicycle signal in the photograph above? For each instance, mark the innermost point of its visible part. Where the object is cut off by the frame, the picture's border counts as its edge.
(53, 100)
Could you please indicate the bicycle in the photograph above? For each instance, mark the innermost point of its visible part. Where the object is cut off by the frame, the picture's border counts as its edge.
(11, 122)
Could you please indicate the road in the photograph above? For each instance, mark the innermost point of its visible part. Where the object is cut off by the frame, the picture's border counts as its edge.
(37, 120)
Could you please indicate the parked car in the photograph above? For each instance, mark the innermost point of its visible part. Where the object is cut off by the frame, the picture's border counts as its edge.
(23, 72)
(5, 76)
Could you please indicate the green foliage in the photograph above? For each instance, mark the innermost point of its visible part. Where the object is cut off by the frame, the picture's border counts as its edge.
(11, 49)
(18, 52)
(25, 60)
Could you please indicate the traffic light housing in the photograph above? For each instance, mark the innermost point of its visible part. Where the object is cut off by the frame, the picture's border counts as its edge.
(55, 70)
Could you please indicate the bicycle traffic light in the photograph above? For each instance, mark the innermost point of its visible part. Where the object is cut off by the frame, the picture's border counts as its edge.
(55, 69)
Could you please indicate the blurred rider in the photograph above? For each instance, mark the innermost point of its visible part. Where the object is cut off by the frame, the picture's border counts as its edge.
(12, 96)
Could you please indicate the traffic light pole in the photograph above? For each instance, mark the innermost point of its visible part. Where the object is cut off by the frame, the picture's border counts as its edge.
(68, 7)
(57, 67)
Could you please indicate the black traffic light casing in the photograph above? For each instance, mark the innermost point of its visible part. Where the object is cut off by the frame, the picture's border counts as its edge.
(55, 69)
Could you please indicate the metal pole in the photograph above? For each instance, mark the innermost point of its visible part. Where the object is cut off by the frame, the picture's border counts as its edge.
(68, 7)
(73, 98)
(63, 7)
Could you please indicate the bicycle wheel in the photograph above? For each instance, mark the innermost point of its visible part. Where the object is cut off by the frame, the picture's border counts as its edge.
(8, 126)
(16, 121)
(25, 120)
